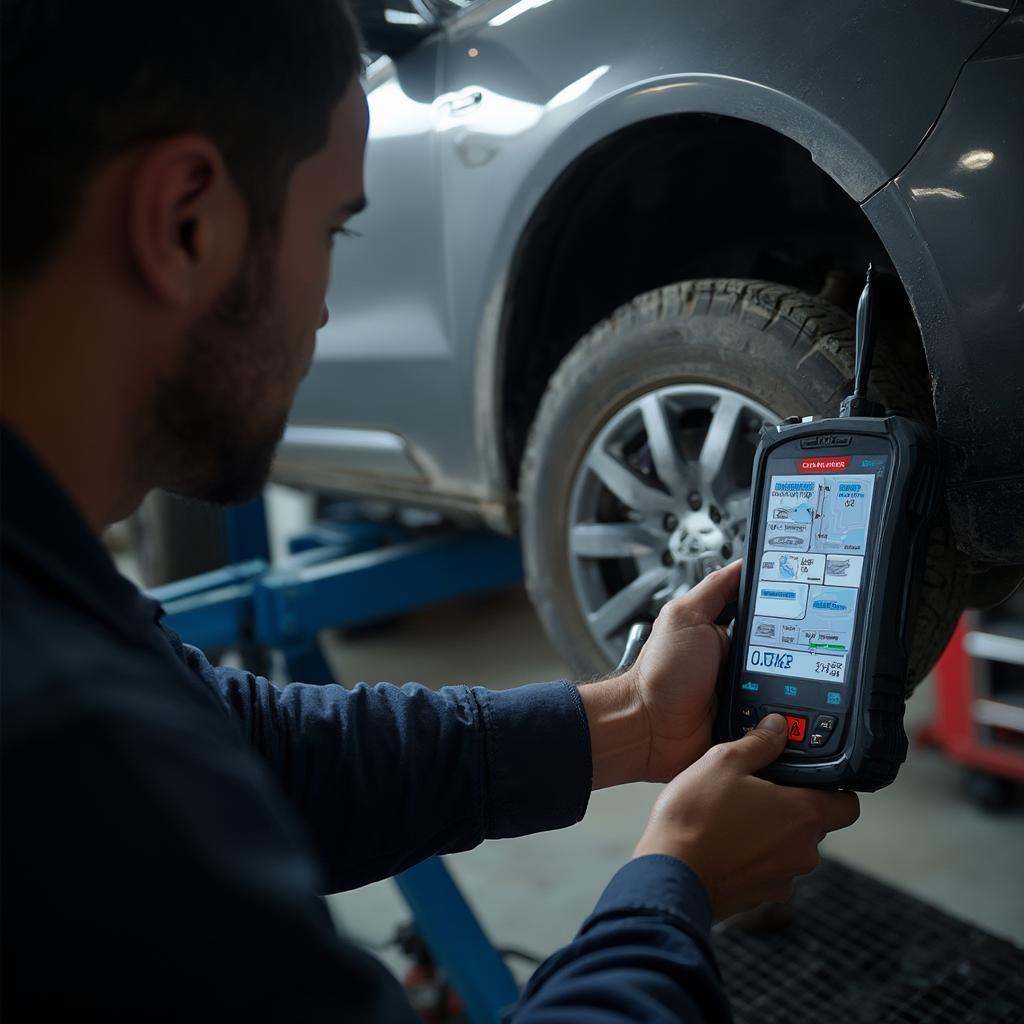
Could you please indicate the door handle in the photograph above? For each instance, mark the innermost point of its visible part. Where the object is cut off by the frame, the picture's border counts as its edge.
(465, 101)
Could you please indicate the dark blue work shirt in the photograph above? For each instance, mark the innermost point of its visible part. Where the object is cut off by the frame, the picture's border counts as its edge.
(169, 827)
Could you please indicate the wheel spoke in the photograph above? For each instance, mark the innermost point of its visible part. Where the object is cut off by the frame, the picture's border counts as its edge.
(718, 444)
(611, 540)
(664, 451)
(625, 484)
(628, 603)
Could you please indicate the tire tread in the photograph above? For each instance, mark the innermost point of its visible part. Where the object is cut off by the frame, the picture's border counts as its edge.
(806, 322)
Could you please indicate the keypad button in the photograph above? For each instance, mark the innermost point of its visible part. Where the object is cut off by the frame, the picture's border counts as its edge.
(747, 714)
(797, 728)
(818, 739)
(825, 723)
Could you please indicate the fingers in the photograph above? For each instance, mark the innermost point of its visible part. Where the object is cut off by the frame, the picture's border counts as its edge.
(760, 746)
(838, 810)
(745, 837)
(705, 602)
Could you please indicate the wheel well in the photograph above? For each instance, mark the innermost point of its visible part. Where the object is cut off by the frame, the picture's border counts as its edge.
(680, 197)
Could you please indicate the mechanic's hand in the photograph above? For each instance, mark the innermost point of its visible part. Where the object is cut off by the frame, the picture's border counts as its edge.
(746, 838)
(674, 676)
(653, 720)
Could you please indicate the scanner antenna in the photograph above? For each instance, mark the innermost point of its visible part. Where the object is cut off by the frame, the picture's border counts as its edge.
(857, 404)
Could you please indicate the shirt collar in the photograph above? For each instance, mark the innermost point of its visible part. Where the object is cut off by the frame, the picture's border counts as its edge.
(43, 531)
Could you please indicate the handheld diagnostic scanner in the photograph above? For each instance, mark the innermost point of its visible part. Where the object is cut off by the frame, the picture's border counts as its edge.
(836, 538)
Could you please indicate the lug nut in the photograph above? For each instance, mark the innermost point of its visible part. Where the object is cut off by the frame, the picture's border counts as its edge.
(714, 514)
(695, 500)
(671, 522)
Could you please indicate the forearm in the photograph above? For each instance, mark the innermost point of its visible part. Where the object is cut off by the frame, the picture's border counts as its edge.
(386, 776)
(644, 954)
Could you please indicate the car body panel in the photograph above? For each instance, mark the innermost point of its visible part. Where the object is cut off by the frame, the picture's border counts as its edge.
(389, 359)
(470, 131)
(953, 222)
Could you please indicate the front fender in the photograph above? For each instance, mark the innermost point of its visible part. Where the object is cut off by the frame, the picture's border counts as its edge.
(953, 224)
(858, 85)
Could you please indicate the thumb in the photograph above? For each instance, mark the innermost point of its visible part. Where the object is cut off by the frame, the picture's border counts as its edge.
(762, 745)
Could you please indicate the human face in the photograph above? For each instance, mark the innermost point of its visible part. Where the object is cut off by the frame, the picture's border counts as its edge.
(224, 411)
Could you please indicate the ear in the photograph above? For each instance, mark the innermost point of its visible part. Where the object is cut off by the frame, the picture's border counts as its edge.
(187, 221)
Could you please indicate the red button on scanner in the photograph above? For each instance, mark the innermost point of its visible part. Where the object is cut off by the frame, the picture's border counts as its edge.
(797, 728)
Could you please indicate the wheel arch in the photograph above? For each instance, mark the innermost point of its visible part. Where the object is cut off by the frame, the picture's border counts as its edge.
(701, 140)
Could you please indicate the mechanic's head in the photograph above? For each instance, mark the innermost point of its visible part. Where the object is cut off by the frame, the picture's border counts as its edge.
(184, 164)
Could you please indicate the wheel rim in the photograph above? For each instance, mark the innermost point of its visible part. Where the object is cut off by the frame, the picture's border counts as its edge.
(659, 500)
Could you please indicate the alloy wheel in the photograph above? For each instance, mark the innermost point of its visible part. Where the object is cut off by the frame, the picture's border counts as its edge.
(660, 499)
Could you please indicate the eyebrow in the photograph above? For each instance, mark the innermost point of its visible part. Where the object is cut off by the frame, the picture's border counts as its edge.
(352, 208)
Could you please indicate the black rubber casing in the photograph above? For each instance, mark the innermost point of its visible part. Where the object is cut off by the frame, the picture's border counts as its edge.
(873, 745)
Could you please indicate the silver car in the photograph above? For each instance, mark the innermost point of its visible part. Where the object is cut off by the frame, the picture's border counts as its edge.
(607, 241)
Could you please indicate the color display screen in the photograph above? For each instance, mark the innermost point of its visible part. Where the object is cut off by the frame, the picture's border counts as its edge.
(811, 571)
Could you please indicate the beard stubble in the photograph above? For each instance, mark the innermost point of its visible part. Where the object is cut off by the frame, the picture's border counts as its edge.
(217, 421)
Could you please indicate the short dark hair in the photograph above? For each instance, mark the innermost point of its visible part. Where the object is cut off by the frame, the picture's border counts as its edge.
(84, 80)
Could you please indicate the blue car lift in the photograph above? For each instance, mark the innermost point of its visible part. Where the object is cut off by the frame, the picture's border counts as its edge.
(340, 574)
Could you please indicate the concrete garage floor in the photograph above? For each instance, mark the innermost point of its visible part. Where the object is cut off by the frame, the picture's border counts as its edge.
(920, 835)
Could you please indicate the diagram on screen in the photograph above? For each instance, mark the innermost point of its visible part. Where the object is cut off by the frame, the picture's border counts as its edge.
(810, 575)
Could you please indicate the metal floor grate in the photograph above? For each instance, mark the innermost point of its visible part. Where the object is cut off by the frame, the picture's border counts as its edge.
(860, 952)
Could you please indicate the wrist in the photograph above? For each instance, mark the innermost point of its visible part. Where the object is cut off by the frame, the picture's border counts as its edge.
(671, 844)
(620, 739)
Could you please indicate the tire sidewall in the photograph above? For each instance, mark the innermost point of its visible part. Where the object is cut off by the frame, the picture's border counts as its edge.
(621, 360)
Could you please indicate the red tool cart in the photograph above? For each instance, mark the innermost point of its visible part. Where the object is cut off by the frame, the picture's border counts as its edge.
(979, 701)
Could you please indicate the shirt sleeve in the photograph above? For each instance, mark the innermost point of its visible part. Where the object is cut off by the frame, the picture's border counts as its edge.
(151, 871)
(387, 776)
(643, 954)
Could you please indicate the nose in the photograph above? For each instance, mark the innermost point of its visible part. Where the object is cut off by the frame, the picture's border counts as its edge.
(325, 315)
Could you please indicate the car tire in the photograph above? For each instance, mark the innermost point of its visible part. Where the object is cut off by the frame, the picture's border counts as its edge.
(688, 351)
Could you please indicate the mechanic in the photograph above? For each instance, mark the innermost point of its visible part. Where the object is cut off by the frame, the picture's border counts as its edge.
(173, 175)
